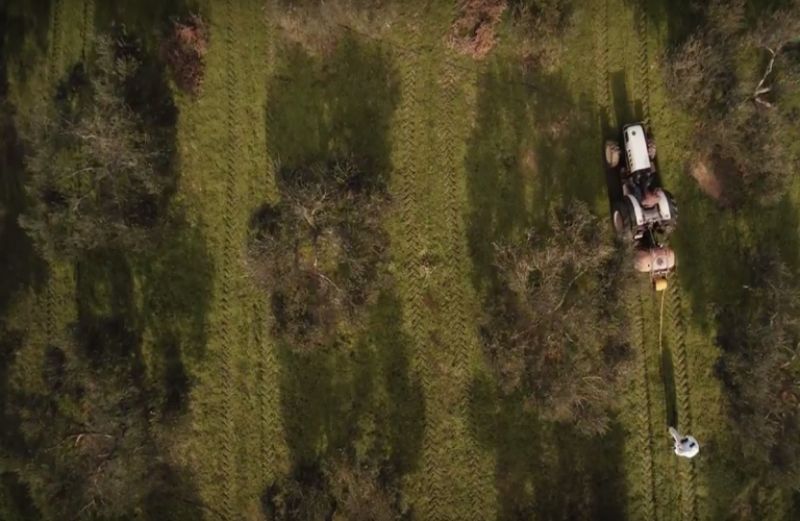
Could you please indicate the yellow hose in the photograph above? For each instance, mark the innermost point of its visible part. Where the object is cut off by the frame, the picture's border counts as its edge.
(661, 321)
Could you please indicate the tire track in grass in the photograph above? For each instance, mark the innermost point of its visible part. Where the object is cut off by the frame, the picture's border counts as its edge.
(267, 371)
(677, 340)
(602, 79)
(643, 83)
(676, 329)
(642, 483)
(460, 334)
(645, 507)
(227, 339)
(412, 270)
(54, 59)
(88, 28)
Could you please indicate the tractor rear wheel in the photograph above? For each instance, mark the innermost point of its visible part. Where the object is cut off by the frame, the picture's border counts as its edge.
(621, 217)
(612, 154)
(670, 225)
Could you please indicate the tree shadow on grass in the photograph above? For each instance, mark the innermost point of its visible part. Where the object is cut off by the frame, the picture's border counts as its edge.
(336, 108)
(24, 28)
(363, 403)
(535, 148)
(20, 265)
(544, 470)
(357, 398)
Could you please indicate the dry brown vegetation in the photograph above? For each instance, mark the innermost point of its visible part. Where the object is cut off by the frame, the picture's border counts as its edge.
(318, 26)
(340, 491)
(184, 51)
(474, 30)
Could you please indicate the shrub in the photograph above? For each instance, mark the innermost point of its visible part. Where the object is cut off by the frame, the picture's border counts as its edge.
(184, 51)
(97, 168)
(553, 332)
(760, 341)
(473, 31)
(319, 250)
(538, 27)
(340, 490)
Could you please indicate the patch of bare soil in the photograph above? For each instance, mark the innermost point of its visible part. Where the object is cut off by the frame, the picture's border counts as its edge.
(473, 32)
(708, 179)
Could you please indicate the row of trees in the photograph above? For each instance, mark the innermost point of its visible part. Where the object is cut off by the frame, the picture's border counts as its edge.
(737, 76)
(98, 160)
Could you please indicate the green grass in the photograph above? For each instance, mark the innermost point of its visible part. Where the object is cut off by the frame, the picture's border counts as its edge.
(473, 153)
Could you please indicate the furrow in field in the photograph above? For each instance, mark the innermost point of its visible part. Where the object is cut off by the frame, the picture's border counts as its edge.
(226, 325)
(643, 493)
(54, 59)
(677, 339)
(643, 62)
(413, 267)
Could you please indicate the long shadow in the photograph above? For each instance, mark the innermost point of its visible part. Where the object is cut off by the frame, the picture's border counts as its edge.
(337, 108)
(534, 148)
(501, 167)
(330, 397)
(20, 264)
(358, 397)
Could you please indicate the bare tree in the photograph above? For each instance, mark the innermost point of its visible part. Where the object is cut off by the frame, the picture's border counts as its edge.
(554, 329)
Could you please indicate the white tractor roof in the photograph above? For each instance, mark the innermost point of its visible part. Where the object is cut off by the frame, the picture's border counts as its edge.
(636, 148)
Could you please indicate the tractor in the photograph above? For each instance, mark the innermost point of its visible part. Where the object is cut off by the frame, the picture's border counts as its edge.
(646, 213)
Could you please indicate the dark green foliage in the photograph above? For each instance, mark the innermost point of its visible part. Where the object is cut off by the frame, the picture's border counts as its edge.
(554, 332)
(738, 79)
(97, 163)
(320, 249)
(760, 368)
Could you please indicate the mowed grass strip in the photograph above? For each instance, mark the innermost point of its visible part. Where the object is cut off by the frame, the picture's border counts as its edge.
(456, 354)
(222, 137)
(434, 119)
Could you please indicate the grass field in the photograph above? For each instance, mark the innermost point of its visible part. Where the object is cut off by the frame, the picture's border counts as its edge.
(474, 153)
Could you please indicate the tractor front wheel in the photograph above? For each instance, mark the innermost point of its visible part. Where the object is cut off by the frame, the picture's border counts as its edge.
(612, 154)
